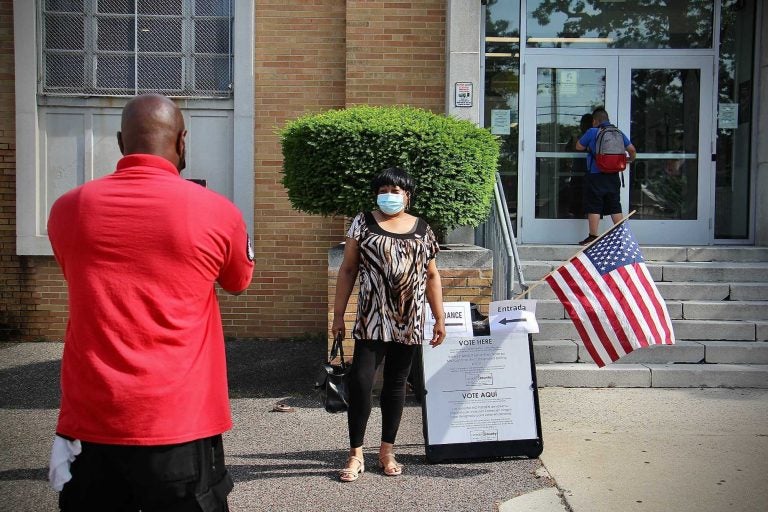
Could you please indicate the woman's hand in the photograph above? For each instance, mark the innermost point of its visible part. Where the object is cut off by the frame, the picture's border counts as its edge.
(438, 332)
(338, 327)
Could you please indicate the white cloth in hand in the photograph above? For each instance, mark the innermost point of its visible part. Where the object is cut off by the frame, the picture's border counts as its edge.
(63, 453)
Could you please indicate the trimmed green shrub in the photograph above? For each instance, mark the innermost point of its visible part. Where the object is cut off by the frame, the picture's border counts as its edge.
(331, 157)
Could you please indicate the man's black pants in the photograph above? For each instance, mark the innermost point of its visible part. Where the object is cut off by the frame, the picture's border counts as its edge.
(187, 477)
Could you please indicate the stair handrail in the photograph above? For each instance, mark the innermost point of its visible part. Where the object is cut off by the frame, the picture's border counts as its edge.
(508, 234)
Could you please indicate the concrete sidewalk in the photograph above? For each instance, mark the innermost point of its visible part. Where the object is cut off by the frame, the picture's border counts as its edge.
(682, 450)
(607, 449)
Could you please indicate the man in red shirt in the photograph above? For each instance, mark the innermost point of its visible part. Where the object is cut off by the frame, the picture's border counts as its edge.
(143, 377)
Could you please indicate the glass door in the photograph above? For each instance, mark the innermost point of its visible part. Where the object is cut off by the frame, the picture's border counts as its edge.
(664, 105)
(668, 103)
(558, 92)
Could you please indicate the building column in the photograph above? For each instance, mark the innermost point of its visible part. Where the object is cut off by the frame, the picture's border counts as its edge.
(463, 70)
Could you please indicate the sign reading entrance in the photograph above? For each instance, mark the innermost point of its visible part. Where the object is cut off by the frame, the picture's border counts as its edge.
(458, 321)
(480, 393)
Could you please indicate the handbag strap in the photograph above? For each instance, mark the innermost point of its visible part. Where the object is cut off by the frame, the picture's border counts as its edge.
(338, 348)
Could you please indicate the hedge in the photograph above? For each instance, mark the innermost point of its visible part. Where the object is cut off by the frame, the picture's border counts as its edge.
(331, 157)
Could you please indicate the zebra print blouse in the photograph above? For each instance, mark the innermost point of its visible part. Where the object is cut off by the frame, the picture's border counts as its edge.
(393, 280)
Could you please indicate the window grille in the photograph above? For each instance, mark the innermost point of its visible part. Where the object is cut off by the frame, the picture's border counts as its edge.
(180, 48)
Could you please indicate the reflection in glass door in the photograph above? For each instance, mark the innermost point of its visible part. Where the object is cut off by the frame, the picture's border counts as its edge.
(561, 93)
(668, 102)
(565, 98)
(665, 123)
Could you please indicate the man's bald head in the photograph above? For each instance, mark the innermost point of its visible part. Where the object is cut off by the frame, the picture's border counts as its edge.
(152, 124)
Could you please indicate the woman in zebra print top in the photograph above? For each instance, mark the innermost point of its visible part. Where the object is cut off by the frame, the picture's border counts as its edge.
(393, 253)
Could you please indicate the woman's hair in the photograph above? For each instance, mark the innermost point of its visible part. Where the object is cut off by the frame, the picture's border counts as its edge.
(585, 123)
(396, 177)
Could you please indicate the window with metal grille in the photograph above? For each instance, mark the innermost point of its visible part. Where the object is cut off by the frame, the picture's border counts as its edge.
(180, 48)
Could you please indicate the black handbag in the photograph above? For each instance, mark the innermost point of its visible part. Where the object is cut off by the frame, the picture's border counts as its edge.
(333, 380)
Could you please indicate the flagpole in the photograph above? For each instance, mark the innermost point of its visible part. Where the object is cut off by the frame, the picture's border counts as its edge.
(540, 281)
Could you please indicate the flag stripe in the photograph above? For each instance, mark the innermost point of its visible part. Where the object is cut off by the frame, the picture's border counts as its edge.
(606, 299)
(646, 305)
(659, 305)
(590, 336)
(616, 283)
(575, 280)
(573, 308)
(624, 284)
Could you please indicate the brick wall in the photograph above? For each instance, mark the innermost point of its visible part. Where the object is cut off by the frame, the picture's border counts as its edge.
(310, 58)
(10, 282)
(299, 68)
(396, 53)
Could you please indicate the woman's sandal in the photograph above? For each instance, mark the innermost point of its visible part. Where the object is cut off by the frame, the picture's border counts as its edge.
(351, 474)
(390, 469)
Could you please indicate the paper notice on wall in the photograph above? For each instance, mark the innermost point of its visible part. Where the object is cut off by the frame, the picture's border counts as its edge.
(463, 94)
(501, 121)
(728, 116)
(507, 316)
(568, 82)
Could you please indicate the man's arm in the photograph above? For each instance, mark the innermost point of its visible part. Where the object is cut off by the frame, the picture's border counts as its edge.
(632, 152)
(236, 272)
(583, 142)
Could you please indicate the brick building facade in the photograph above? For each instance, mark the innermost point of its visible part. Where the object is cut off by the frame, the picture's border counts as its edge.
(293, 58)
(346, 53)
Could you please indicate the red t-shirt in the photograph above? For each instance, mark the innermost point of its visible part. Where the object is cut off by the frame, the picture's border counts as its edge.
(144, 360)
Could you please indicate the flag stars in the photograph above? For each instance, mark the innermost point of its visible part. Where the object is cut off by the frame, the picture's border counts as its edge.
(614, 250)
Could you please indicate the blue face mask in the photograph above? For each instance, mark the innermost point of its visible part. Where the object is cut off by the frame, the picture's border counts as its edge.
(390, 203)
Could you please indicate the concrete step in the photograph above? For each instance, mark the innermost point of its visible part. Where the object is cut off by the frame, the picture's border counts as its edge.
(746, 291)
(552, 309)
(726, 310)
(715, 296)
(676, 272)
(721, 253)
(690, 291)
(652, 375)
(728, 272)
(718, 330)
(570, 351)
(735, 352)
(683, 351)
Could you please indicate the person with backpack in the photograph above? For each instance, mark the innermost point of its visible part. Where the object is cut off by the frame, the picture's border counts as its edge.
(607, 149)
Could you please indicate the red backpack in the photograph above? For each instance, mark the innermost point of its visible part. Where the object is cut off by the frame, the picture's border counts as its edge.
(610, 155)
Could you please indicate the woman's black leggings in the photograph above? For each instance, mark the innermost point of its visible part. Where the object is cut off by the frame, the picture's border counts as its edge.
(397, 364)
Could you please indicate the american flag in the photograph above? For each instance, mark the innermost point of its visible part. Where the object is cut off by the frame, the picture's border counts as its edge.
(611, 298)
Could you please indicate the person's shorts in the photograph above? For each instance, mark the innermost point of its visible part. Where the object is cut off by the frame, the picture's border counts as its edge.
(172, 478)
(602, 193)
